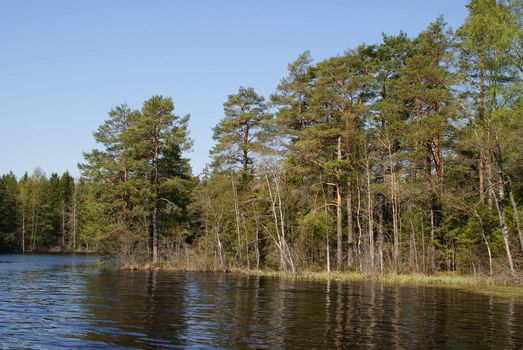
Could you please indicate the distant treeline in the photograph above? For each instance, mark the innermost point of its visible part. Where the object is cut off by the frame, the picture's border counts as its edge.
(404, 156)
(39, 213)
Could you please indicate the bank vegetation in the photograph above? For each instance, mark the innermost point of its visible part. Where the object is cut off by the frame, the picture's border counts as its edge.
(401, 157)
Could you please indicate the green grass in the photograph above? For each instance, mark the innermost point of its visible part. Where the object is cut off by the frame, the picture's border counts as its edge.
(469, 283)
(482, 285)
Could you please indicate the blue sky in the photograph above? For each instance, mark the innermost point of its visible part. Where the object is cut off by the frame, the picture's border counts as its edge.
(64, 64)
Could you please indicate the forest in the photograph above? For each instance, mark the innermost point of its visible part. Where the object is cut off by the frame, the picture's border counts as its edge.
(404, 156)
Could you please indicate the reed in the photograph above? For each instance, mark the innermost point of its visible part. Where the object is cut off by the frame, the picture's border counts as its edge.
(482, 285)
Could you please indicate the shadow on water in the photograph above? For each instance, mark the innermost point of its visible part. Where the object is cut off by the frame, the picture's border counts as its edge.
(70, 302)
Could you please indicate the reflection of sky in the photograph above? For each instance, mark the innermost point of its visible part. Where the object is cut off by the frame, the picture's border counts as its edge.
(52, 301)
(203, 313)
(40, 301)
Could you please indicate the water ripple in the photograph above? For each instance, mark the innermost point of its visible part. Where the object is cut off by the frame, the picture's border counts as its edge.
(69, 302)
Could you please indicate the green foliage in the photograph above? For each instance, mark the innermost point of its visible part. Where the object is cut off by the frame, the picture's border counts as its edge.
(399, 156)
(386, 139)
(140, 181)
(240, 134)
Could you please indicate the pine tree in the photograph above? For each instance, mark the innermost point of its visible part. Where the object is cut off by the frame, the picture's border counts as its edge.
(489, 56)
(8, 212)
(158, 136)
(241, 133)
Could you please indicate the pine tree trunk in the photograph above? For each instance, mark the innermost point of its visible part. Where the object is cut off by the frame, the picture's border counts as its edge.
(370, 217)
(155, 232)
(481, 117)
(245, 151)
(380, 234)
(490, 177)
(33, 229)
(327, 245)
(339, 218)
(394, 211)
(257, 245)
(516, 215)
(481, 174)
(350, 228)
(423, 250)
(23, 230)
(438, 159)
(432, 246)
(358, 221)
(74, 218)
(154, 218)
(63, 226)
(413, 249)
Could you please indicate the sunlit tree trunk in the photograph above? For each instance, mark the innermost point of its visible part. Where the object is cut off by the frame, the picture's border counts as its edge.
(350, 227)
(487, 245)
(237, 220)
(413, 249)
(481, 109)
(370, 214)
(257, 238)
(217, 223)
(517, 220)
(499, 202)
(393, 195)
(327, 231)
(280, 241)
(33, 228)
(358, 222)
(283, 229)
(155, 185)
(339, 217)
(380, 235)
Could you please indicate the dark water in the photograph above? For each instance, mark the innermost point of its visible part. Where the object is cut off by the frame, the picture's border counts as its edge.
(66, 301)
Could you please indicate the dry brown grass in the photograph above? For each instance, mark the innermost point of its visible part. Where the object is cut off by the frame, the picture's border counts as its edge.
(482, 285)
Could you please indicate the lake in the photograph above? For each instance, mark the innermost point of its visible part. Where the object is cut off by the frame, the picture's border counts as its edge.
(58, 301)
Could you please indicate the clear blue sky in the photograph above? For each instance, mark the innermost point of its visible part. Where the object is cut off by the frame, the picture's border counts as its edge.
(64, 64)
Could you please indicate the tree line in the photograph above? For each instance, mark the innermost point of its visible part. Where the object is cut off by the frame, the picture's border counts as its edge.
(402, 156)
(42, 213)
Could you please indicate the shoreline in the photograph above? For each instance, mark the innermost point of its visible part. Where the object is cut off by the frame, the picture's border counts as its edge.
(469, 283)
(55, 252)
(466, 283)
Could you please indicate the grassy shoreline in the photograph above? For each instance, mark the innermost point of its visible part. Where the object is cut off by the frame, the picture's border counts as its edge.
(481, 285)
(467, 283)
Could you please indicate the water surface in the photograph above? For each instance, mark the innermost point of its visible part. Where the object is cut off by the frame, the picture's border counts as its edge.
(71, 301)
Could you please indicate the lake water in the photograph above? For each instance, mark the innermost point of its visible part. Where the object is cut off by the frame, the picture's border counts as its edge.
(71, 301)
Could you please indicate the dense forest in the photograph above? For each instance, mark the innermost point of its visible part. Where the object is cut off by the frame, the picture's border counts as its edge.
(403, 156)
